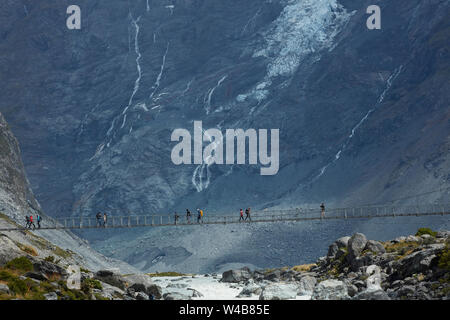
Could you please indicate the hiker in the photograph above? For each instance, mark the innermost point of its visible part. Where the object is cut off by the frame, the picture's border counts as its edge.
(27, 218)
(38, 220)
(188, 216)
(99, 219)
(247, 213)
(322, 210)
(241, 212)
(105, 220)
(176, 217)
(31, 222)
(199, 215)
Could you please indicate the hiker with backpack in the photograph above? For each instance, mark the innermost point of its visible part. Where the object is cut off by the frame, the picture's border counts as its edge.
(99, 219)
(105, 220)
(247, 213)
(322, 211)
(38, 220)
(176, 216)
(199, 215)
(27, 218)
(241, 213)
(31, 222)
(188, 216)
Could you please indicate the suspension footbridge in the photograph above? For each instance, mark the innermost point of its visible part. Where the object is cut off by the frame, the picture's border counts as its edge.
(265, 216)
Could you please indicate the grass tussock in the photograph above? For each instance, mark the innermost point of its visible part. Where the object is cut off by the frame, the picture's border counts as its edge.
(303, 267)
(423, 231)
(166, 274)
(402, 249)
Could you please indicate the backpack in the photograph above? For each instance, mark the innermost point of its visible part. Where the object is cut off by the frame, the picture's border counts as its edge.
(201, 213)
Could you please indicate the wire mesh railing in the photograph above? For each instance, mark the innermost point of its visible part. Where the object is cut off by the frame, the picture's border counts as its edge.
(298, 214)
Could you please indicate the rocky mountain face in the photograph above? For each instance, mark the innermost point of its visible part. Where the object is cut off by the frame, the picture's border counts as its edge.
(15, 193)
(17, 200)
(363, 114)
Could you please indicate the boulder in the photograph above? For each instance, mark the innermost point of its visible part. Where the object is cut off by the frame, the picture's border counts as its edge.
(279, 291)
(306, 286)
(250, 290)
(330, 290)
(356, 245)
(141, 296)
(155, 291)
(375, 247)
(8, 250)
(236, 275)
(195, 293)
(417, 262)
(273, 275)
(4, 289)
(51, 296)
(175, 296)
(372, 295)
(49, 269)
(111, 278)
(443, 234)
(36, 275)
(110, 291)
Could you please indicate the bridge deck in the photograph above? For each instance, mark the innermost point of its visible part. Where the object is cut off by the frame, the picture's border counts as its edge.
(292, 215)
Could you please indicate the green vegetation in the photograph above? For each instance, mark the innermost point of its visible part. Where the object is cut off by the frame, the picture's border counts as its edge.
(62, 253)
(50, 259)
(166, 274)
(402, 249)
(20, 264)
(444, 259)
(423, 231)
(89, 284)
(303, 267)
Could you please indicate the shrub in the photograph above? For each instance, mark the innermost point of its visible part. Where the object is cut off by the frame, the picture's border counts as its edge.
(50, 259)
(18, 286)
(423, 231)
(89, 284)
(20, 264)
(6, 275)
(444, 259)
(303, 267)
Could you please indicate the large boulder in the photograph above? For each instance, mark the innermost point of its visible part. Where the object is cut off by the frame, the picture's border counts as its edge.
(330, 290)
(8, 250)
(151, 290)
(4, 289)
(306, 286)
(375, 247)
(49, 269)
(273, 275)
(417, 262)
(356, 245)
(175, 296)
(250, 289)
(340, 243)
(111, 278)
(51, 296)
(236, 276)
(279, 291)
(372, 295)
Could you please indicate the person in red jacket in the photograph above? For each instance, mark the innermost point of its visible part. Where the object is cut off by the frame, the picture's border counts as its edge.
(241, 212)
(31, 222)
